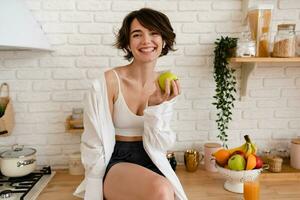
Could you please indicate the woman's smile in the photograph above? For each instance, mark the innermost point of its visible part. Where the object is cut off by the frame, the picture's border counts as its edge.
(147, 49)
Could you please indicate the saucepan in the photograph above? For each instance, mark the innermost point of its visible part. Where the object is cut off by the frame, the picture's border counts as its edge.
(18, 161)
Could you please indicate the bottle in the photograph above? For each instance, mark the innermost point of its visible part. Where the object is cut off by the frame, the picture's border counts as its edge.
(285, 41)
(172, 160)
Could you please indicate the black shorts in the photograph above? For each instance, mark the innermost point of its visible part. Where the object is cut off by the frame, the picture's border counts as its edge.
(131, 152)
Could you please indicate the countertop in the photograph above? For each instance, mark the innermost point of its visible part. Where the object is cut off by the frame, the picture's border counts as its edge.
(197, 185)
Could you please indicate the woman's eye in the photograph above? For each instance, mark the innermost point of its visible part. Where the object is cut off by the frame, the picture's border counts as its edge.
(136, 35)
(155, 33)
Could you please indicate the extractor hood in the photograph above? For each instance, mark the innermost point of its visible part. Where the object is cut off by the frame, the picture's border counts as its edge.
(18, 29)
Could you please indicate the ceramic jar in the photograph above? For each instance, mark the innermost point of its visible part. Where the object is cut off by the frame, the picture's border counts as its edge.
(209, 162)
(295, 153)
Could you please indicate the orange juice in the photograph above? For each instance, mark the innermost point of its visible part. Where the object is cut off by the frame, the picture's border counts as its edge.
(251, 190)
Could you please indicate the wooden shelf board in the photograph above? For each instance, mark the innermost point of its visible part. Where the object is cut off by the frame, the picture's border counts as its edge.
(74, 131)
(263, 60)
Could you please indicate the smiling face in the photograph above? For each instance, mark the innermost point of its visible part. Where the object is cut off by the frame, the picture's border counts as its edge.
(144, 44)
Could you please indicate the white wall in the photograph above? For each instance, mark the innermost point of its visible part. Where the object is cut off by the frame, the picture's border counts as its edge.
(45, 86)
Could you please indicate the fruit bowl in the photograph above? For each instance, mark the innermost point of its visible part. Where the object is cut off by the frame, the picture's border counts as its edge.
(235, 179)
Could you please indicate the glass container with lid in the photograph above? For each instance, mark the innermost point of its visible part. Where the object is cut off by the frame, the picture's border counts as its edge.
(259, 20)
(285, 41)
(18, 151)
(245, 46)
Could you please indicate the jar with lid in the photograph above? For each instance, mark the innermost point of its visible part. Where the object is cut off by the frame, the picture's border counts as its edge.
(172, 160)
(295, 153)
(285, 41)
(245, 46)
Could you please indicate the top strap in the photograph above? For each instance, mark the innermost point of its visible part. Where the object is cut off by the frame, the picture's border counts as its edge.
(119, 82)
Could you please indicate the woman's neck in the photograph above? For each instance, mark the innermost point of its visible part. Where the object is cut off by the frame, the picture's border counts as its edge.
(142, 72)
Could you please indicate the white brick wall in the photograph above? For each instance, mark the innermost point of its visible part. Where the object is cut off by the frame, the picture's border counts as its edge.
(45, 86)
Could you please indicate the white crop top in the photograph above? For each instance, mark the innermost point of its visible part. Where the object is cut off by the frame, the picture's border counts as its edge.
(125, 121)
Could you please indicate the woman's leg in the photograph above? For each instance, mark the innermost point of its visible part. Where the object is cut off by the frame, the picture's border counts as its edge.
(127, 181)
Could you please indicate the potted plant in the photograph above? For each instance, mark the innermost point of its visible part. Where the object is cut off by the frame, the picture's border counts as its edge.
(225, 84)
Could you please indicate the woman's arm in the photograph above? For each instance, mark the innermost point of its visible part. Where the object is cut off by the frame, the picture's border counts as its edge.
(158, 115)
(92, 141)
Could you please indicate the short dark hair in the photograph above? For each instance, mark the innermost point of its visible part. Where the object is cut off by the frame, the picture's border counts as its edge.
(150, 19)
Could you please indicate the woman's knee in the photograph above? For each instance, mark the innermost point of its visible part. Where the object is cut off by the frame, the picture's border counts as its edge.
(161, 189)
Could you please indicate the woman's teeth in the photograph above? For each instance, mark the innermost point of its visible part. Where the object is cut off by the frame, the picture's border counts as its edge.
(146, 50)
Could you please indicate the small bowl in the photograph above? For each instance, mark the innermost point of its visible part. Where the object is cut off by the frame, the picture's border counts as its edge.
(235, 179)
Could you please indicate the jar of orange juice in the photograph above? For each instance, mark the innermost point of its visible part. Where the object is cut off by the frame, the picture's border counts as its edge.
(252, 189)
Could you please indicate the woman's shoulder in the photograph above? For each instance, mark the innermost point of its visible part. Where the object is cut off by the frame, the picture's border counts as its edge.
(111, 81)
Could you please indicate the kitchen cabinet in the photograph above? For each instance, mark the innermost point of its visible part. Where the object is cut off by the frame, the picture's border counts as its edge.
(249, 64)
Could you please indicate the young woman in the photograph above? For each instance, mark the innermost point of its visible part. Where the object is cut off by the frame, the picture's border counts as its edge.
(127, 119)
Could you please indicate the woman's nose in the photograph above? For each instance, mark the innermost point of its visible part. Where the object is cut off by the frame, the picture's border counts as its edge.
(146, 39)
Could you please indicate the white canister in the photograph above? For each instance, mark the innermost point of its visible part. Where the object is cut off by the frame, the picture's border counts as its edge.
(75, 165)
(295, 153)
(209, 162)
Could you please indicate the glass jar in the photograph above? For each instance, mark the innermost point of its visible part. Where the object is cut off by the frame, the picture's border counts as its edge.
(245, 46)
(285, 41)
(172, 160)
(259, 20)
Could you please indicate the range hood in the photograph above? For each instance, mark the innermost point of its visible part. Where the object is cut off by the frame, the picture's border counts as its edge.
(18, 29)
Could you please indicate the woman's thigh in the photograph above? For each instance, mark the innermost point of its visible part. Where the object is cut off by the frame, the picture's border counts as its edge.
(127, 181)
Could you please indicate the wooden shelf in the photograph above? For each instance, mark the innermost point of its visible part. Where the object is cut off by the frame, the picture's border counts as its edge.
(249, 64)
(70, 123)
(264, 60)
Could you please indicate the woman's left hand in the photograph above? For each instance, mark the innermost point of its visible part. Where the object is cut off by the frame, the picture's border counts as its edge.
(159, 96)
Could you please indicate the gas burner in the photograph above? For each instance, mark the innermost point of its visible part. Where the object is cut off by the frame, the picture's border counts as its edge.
(21, 188)
(5, 194)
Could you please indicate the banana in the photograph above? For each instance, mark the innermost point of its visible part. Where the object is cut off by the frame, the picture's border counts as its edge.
(253, 146)
(242, 148)
(249, 150)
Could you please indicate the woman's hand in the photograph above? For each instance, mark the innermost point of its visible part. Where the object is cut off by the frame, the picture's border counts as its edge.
(159, 96)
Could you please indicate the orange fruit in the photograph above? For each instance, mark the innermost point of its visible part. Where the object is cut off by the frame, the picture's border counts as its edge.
(251, 162)
(222, 156)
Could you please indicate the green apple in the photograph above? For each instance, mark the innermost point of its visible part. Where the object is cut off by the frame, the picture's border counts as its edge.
(162, 79)
(237, 162)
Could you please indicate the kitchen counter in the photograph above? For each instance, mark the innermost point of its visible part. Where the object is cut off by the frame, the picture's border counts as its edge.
(198, 185)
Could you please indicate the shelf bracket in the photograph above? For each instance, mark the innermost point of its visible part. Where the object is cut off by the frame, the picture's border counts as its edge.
(246, 69)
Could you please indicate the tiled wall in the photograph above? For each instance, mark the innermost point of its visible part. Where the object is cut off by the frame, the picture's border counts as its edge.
(46, 85)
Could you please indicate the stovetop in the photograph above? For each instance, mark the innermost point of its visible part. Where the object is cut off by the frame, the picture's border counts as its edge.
(26, 187)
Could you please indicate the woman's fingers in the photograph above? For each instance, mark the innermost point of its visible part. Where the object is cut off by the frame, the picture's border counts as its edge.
(178, 86)
(174, 88)
(167, 89)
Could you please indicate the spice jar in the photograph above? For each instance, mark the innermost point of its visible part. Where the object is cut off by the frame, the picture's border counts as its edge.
(172, 160)
(266, 155)
(285, 41)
